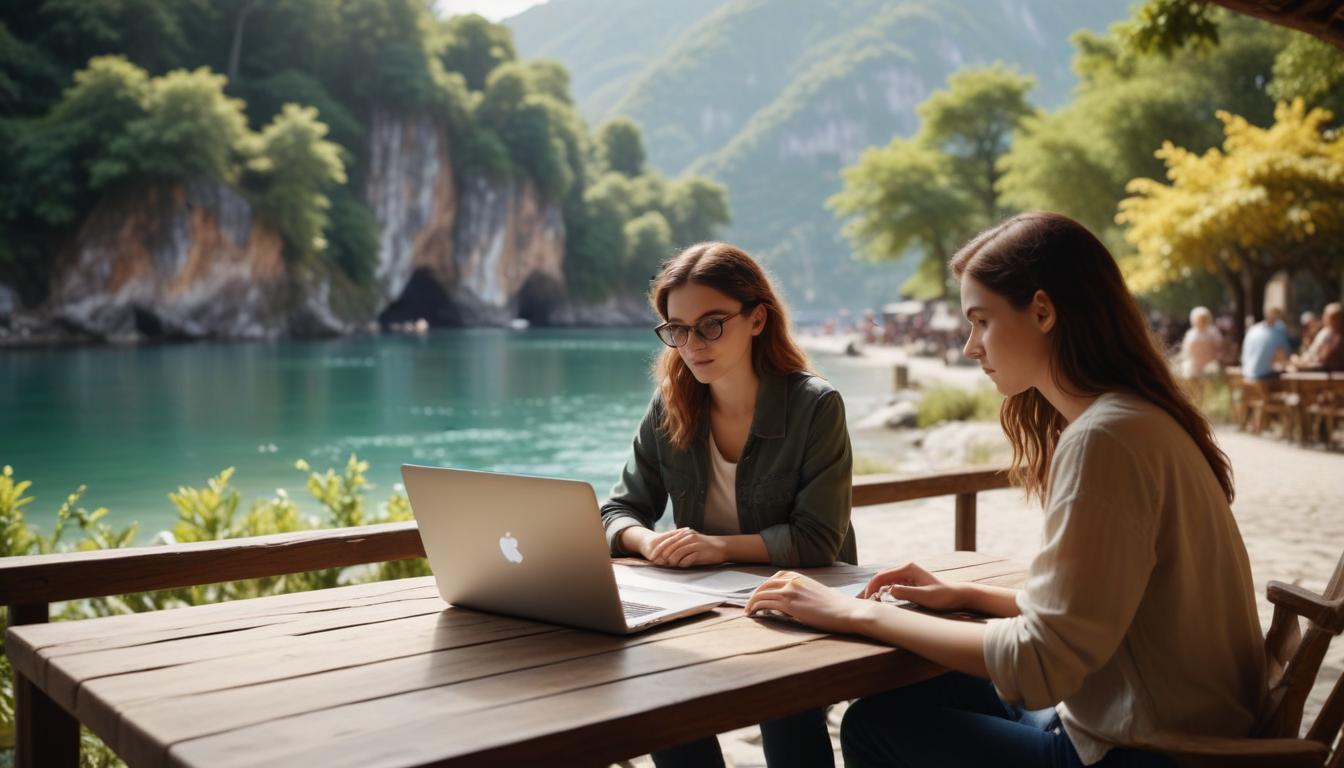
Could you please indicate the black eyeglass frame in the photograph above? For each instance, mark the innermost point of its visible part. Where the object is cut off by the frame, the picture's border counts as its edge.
(715, 323)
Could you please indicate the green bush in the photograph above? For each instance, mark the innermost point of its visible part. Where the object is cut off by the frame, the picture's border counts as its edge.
(352, 237)
(204, 514)
(942, 403)
(295, 165)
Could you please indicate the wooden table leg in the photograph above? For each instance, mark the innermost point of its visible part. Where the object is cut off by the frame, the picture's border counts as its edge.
(964, 533)
(45, 736)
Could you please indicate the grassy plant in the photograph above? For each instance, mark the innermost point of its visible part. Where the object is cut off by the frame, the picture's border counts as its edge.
(942, 403)
(207, 513)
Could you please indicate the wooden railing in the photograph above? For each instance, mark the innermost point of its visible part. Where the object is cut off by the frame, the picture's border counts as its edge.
(45, 734)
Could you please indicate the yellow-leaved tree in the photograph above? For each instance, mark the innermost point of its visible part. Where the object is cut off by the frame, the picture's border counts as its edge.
(1268, 199)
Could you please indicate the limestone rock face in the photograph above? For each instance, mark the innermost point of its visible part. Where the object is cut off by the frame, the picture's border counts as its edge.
(181, 261)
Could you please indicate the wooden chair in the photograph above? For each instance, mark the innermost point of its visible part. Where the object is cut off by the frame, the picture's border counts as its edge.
(1294, 658)
(1308, 389)
(1265, 401)
(1234, 385)
(1325, 414)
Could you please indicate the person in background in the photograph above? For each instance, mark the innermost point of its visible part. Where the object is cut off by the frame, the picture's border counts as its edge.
(1200, 346)
(1264, 350)
(1326, 352)
(1311, 325)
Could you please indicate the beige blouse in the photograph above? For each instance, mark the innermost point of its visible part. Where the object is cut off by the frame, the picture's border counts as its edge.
(1138, 614)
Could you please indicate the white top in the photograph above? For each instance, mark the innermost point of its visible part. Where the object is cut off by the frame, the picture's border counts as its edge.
(1198, 350)
(1138, 614)
(721, 498)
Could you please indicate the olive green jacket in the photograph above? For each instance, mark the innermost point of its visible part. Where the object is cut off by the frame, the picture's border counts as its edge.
(794, 476)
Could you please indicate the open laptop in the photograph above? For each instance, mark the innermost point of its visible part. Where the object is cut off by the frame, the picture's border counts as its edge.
(531, 547)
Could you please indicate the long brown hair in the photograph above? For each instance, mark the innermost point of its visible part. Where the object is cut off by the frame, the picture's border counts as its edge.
(729, 270)
(1099, 342)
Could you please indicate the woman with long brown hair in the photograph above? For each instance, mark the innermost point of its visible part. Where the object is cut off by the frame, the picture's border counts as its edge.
(751, 448)
(1138, 615)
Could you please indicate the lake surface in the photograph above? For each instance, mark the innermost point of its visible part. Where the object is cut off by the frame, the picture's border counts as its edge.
(134, 423)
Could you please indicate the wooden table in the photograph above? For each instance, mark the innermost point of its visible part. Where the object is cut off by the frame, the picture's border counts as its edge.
(385, 674)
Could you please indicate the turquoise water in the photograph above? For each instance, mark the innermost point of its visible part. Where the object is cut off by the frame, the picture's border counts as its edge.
(135, 423)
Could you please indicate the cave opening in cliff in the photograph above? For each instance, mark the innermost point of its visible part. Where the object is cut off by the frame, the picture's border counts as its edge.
(539, 297)
(423, 297)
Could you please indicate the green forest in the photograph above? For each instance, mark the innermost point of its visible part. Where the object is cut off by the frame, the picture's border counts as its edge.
(101, 97)
(1202, 146)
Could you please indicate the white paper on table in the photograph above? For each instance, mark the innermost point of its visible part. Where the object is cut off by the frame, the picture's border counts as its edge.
(734, 584)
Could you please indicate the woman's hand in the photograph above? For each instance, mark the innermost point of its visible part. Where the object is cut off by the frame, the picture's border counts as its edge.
(808, 601)
(912, 583)
(684, 547)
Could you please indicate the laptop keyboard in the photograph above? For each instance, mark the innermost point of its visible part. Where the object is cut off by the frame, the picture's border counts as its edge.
(637, 610)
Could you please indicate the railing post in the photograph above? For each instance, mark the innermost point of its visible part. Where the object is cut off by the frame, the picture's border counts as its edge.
(45, 736)
(965, 530)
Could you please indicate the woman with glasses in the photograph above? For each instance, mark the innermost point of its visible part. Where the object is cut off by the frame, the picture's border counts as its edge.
(751, 449)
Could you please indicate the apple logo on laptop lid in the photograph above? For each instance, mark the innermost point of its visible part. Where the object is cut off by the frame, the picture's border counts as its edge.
(509, 546)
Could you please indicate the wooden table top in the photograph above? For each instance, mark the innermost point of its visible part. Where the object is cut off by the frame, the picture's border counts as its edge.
(386, 674)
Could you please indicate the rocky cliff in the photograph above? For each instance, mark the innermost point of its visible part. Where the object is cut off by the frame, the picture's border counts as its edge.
(192, 260)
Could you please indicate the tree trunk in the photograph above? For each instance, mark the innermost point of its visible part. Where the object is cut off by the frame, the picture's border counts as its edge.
(236, 49)
(1233, 287)
(940, 253)
(1254, 278)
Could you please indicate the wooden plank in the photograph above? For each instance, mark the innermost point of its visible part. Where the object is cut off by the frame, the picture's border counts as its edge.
(249, 628)
(885, 489)
(61, 674)
(65, 676)
(149, 725)
(43, 636)
(73, 575)
(96, 686)
(579, 721)
(442, 703)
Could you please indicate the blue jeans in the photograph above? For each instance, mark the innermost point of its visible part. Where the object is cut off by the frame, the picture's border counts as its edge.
(958, 720)
(797, 741)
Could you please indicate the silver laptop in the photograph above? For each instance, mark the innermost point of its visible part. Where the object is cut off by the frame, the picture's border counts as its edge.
(531, 547)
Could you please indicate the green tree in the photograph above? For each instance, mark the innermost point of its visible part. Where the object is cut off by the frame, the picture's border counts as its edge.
(595, 243)
(352, 237)
(902, 198)
(1312, 70)
(190, 129)
(475, 47)
(1267, 199)
(63, 158)
(620, 147)
(1078, 159)
(550, 78)
(973, 122)
(697, 209)
(268, 95)
(296, 165)
(648, 241)
(381, 53)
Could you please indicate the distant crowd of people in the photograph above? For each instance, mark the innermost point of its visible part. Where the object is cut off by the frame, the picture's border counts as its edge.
(1267, 349)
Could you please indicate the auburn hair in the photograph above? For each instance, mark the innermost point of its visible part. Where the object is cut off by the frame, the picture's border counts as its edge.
(1099, 342)
(729, 270)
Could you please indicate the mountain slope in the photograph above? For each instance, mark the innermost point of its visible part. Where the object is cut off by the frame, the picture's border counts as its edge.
(774, 97)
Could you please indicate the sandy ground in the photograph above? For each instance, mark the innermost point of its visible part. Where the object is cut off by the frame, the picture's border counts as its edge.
(1290, 506)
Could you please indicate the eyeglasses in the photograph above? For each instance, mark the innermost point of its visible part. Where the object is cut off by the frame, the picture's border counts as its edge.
(710, 329)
